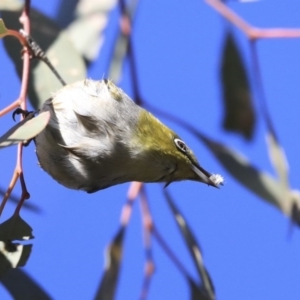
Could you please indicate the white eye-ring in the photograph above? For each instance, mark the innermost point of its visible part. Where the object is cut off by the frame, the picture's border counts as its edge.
(181, 145)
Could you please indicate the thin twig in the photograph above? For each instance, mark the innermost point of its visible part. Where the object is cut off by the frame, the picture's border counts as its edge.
(231, 16)
(132, 194)
(134, 189)
(14, 199)
(37, 52)
(11, 186)
(147, 226)
(260, 88)
(169, 252)
(25, 195)
(16, 34)
(10, 108)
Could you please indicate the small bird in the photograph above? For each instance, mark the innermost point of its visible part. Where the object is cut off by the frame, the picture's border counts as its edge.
(98, 137)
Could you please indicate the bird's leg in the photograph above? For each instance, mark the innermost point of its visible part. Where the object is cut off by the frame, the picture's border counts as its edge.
(20, 111)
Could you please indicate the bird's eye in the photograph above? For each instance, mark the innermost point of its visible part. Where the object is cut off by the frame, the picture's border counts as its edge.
(181, 145)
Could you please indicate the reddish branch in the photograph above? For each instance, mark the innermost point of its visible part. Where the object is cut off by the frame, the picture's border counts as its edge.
(21, 101)
(147, 226)
(133, 193)
(251, 32)
(21, 98)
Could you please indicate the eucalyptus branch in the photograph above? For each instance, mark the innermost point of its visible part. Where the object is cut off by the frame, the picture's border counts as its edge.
(18, 172)
(132, 194)
(147, 228)
(253, 33)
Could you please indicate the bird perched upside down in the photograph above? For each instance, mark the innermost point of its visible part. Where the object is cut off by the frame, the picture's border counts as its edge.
(98, 137)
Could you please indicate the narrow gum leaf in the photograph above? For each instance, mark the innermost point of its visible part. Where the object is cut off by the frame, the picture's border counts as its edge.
(11, 4)
(25, 130)
(14, 255)
(239, 113)
(22, 286)
(87, 30)
(116, 65)
(197, 293)
(69, 64)
(3, 29)
(110, 277)
(260, 183)
(207, 287)
(15, 228)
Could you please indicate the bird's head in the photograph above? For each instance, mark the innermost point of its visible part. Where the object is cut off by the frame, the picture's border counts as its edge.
(170, 159)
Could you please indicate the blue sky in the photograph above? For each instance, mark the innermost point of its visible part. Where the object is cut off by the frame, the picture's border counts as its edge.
(249, 248)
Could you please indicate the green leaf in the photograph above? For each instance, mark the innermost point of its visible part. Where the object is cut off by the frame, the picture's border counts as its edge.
(260, 183)
(197, 292)
(67, 61)
(15, 228)
(11, 4)
(5, 264)
(25, 130)
(21, 286)
(109, 280)
(239, 113)
(59, 49)
(206, 287)
(121, 47)
(13, 255)
(86, 31)
(3, 29)
(115, 68)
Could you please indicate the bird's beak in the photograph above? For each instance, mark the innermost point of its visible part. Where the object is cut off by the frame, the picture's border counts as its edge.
(206, 177)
